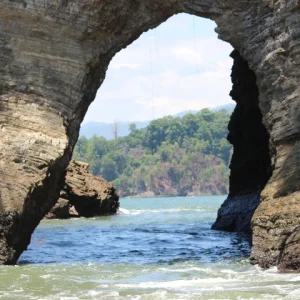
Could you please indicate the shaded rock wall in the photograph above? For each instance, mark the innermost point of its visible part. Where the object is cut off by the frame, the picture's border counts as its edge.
(236, 213)
(61, 210)
(53, 58)
(84, 195)
(251, 163)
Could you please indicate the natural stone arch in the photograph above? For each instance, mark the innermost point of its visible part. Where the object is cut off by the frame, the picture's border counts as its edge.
(53, 58)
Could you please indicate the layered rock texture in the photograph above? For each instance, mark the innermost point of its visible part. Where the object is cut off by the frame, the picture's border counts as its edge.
(53, 58)
(84, 195)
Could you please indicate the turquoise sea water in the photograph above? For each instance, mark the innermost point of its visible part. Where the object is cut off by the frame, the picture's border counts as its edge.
(160, 248)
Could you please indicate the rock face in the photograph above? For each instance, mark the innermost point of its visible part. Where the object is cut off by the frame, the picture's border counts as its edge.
(289, 259)
(84, 195)
(250, 164)
(53, 58)
(61, 210)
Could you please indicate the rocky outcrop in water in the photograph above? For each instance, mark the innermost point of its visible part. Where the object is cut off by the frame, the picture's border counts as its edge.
(236, 213)
(84, 195)
(53, 58)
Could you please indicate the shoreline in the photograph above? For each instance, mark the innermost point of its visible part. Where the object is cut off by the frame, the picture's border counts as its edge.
(171, 196)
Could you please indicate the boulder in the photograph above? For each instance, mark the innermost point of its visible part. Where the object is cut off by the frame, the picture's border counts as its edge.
(61, 210)
(84, 195)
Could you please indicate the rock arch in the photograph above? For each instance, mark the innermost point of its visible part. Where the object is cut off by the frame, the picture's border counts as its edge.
(53, 58)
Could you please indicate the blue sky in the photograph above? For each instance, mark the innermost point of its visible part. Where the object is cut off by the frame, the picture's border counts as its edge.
(181, 65)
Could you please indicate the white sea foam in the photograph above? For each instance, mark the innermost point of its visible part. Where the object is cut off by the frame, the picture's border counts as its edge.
(47, 276)
(188, 269)
(124, 211)
(198, 284)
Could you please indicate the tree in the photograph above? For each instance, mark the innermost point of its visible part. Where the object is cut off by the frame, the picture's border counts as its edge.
(132, 128)
(115, 129)
(81, 148)
(108, 168)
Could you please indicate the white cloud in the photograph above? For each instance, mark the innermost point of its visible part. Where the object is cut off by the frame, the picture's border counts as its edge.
(163, 106)
(124, 65)
(169, 93)
(224, 64)
(188, 55)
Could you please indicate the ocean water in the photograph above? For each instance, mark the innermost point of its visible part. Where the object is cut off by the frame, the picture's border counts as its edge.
(159, 248)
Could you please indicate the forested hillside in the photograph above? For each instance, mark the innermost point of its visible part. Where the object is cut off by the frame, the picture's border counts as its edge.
(171, 156)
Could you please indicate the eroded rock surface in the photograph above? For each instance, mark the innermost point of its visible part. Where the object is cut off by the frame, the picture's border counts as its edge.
(53, 58)
(84, 195)
(276, 233)
(289, 259)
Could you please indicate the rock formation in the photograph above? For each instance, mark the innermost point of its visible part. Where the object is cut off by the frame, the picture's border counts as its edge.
(84, 195)
(61, 210)
(250, 164)
(289, 259)
(53, 58)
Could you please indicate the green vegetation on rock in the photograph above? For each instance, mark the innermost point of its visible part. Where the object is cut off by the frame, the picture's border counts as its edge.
(172, 156)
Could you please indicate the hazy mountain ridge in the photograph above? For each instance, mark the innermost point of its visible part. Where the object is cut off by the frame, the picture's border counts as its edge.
(106, 129)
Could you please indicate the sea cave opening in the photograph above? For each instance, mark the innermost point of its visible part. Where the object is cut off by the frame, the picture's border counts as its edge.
(166, 72)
